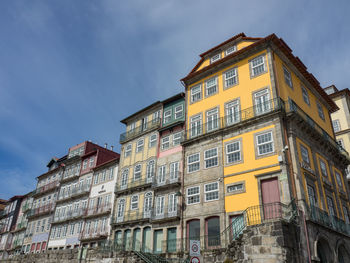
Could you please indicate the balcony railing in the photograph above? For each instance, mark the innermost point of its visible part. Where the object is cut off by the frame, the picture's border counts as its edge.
(233, 119)
(94, 234)
(46, 187)
(129, 135)
(293, 108)
(27, 206)
(167, 179)
(132, 215)
(69, 215)
(322, 217)
(41, 210)
(77, 191)
(68, 177)
(131, 184)
(166, 213)
(98, 210)
(21, 225)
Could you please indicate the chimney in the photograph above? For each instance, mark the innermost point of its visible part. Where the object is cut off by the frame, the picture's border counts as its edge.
(112, 147)
(106, 145)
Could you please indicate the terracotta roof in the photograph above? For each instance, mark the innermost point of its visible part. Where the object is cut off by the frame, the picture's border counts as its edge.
(175, 97)
(105, 163)
(340, 92)
(279, 42)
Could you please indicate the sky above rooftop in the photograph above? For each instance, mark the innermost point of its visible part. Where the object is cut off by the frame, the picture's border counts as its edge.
(71, 70)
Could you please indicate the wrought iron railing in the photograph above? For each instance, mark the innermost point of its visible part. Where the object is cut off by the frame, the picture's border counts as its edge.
(166, 212)
(27, 206)
(98, 210)
(132, 215)
(233, 119)
(47, 187)
(132, 183)
(166, 179)
(139, 130)
(69, 215)
(77, 191)
(41, 210)
(94, 233)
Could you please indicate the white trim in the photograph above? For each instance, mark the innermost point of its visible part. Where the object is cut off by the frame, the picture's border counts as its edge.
(211, 191)
(191, 195)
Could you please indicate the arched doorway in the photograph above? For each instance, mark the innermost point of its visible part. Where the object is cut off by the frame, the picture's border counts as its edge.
(324, 251)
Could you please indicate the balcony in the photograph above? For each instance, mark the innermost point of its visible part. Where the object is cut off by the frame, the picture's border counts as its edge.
(236, 119)
(132, 184)
(45, 209)
(21, 225)
(48, 187)
(98, 210)
(167, 180)
(166, 214)
(322, 217)
(27, 206)
(76, 192)
(138, 131)
(69, 215)
(17, 243)
(69, 177)
(132, 216)
(93, 234)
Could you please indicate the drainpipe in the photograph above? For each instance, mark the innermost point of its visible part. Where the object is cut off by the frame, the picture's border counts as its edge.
(307, 237)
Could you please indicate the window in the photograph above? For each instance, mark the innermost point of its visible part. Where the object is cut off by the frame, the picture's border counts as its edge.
(211, 191)
(215, 58)
(262, 101)
(127, 150)
(211, 86)
(124, 180)
(174, 170)
(132, 126)
(193, 195)
(287, 77)
(320, 111)
(121, 208)
(232, 112)
(336, 125)
(92, 159)
(193, 162)
(233, 152)
(111, 173)
(312, 195)
(160, 205)
(139, 146)
(172, 204)
(64, 232)
(156, 116)
(230, 77)
(161, 174)
(257, 66)
(193, 230)
(134, 202)
(235, 188)
(152, 140)
(71, 230)
(211, 158)
(196, 93)
(103, 176)
(196, 125)
(212, 120)
(304, 154)
(137, 172)
(264, 143)
(305, 95)
(178, 112)
(165, 142)
(150, 169)
(339, 181)
(323, 168)
(144, 124)
(340, 143)
(330, 206)
(230, 50)
(177, 138)
(85, 164)
(213, 231)
(167, 116)
(346, 214)
(96, 178)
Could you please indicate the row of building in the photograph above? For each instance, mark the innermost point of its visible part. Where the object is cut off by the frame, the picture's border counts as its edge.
(253, 131)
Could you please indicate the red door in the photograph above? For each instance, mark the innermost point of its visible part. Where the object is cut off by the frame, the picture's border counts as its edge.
(32, 248)
(271, 198)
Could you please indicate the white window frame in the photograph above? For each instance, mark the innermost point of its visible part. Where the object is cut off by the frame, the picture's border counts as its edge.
(152, 140)
(305, 94)
(165, 142)
(196, 125)
(188, 196)
(287, 77)
(207, 88)
(91, 161)
(262, 101)
(212, 119)
(139, 145)
(134, 204)
(235, 188)
(156, 116)
(233, 152)
(336, 125)
(206, 192)
(160, 205)
(252, 67)
(193, 163)
(211, 158)
(137, 172)
(177, 138)
(233, 77)
(167, 116)
(178, 111)
(233, 113)
(128, 150)
(264, 143)
(195, 92)
(230, 50)
(215, 58)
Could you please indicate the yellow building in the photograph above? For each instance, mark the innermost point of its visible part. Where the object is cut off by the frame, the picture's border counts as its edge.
(274, 141)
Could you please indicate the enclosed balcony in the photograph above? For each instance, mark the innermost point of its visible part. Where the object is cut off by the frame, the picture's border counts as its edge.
(167, 180)
(45, 209)
(138, 131)
(69, 215)
(98, 210)
(132, 216)
(166, 213)
(46, 188)
(76, 192)
(133, 184)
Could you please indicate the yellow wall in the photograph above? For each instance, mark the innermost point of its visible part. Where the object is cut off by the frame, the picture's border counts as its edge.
(139, 121)
(295, 94)
(244, 90)
(340, 114)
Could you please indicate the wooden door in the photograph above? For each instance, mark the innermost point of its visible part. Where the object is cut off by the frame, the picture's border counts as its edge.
(271, 198)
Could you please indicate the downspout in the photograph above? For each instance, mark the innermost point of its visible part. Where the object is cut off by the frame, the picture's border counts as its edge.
(183, 175)
(289, 162)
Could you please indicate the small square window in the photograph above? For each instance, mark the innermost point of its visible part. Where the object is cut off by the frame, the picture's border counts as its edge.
(215, 58)
(211, 158)
(211, 191)
(193, 162)
(257, 66)
(230, 50)
(265, 143)
(165, 142)
(193, 195)
(233, 152)
(235, 188)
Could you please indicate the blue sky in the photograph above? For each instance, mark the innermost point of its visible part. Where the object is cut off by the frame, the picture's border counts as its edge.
(71, 70)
